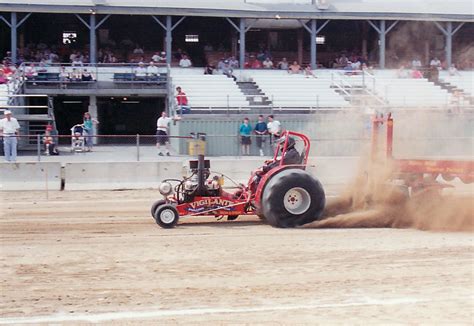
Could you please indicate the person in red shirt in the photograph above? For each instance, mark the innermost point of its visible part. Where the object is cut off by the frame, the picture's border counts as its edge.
(182, 101)
(256, 64)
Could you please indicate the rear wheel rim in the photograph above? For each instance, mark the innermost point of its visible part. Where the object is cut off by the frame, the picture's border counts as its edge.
(297, 201)
(167, 216)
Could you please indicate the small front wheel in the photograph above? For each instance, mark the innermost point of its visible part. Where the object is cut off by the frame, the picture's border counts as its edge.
(166, 216)
(155, 205)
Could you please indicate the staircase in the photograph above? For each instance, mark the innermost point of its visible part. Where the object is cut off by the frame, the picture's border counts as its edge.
(452, 89)
(256, 98)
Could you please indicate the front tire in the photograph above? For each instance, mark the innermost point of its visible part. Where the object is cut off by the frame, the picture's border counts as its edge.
(292, 198)
(155, 205)
(166, 216)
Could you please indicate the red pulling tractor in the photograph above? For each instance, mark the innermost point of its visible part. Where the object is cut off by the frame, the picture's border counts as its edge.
(281, 192)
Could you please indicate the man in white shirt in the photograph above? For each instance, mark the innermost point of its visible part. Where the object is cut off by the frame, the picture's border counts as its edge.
(274, 128)
(9, 128)
(158, 57)
(162, 132)
(416, 63)
(267, 64)
(185, 62)
(152, 70)
(435, 63)
(140, 72)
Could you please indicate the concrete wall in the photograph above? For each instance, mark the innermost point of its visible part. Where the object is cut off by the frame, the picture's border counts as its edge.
(30, 176)
(143, 175)
(120, 175)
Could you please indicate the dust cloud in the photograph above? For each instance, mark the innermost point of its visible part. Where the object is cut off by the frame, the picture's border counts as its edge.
(374, 200)
(370, 201)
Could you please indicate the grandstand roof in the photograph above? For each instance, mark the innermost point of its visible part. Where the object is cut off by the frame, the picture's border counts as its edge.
(453, 10)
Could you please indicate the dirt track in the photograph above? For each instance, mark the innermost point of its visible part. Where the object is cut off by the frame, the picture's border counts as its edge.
(99, 257)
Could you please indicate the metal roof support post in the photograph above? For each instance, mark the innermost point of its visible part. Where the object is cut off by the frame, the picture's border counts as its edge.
(448, 33)
(14, 24)
(313, 31)
(382, 35)
(92, 40)
(13, 30)
(313, 43)
(449, 43)
(242, 43)
(168, 38)
(382, 31)
(92, 26)
(168, 27)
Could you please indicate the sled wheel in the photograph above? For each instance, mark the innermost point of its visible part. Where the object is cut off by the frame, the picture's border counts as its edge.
(166, 216)
(292, 198)
(155, 206)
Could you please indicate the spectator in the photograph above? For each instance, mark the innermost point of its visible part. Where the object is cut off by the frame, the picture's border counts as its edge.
(185, 62)
(227, 70)
(274, 128)
(283, 64)
(182, 101)
(152, 70)
(416, 63)
(88, 123)
(435, 63)
(77, 62)
(255, 64)
(294, 68)
(8, 69)
(221, 64)
(159, 57)
(162, 133)
(138, 50)
(63, 76)
(308, 72)
(267, 64)
(453, 71)
(75, 75)
(140, 71)
(209, 69)
(9, 130)
(416, 74)
(245, 130)
(49, 143)
(234, 63)
(87, 76)
(3, 79)
(402, 72)
(261, 131)
(30, 72)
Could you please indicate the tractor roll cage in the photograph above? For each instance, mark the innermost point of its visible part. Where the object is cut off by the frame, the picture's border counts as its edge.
(302, 137)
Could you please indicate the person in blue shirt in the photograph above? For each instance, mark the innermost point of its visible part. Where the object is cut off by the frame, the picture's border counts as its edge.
(245, 131)
(261, 131)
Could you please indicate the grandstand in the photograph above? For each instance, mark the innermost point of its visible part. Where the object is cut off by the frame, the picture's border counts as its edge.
(243, 30)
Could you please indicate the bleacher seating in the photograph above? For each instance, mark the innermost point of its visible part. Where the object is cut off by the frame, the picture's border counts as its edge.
(464, 81)
(297, 91)
(409, 92)
(208, 91)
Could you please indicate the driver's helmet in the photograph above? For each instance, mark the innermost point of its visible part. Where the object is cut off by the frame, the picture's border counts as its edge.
(291, 142)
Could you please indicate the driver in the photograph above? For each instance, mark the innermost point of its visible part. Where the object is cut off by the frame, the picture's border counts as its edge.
(291, 155)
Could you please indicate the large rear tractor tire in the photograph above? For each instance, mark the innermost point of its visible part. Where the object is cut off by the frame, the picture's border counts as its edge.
(291, 198)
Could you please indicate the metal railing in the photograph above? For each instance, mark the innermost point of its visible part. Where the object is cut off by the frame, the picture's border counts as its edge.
(113, 148)
(66, 75)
